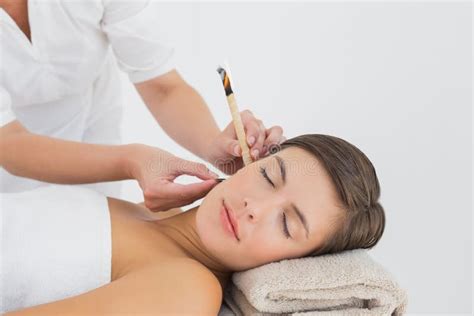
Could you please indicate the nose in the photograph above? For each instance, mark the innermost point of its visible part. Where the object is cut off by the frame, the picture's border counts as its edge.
(245, 208)
(254, 210)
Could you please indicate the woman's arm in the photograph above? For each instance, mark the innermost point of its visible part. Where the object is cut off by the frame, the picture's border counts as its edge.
(183, 287)
(53, 160)
(180, 111)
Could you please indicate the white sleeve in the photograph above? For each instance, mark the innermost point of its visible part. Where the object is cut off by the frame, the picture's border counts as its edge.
(131, 29)
(6, 113)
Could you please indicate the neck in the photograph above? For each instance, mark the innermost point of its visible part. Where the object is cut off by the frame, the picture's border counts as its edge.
(181, 229)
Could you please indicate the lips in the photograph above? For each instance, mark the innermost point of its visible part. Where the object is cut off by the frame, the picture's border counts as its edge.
(232, 220)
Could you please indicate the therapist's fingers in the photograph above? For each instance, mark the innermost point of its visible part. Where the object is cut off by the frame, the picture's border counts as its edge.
(233, 147)
(274, 137)
(186, 167)
(257, 149)
(170, 195)
(191, 192)
(255, 133)
(251, 127)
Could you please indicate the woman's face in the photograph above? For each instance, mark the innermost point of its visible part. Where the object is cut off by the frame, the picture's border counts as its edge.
(289, 187)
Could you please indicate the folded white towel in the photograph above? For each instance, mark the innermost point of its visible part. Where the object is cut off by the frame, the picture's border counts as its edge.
(56, 243)
(346, 283)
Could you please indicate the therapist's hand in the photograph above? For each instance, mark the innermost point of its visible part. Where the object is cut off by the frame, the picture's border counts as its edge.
(224, 151)
(155, 171)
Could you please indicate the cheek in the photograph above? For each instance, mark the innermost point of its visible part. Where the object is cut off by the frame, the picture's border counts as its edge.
(207, 216)
(243, 181)
(264, 247)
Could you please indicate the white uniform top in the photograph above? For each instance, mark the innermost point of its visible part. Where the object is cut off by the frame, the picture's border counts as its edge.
(65, 83)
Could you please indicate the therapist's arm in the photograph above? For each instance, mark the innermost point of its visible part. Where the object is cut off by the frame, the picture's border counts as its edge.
(54, 160)
(180, 111)
(25, 154)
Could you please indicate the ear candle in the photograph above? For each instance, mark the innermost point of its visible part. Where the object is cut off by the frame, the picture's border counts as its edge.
(239, 127)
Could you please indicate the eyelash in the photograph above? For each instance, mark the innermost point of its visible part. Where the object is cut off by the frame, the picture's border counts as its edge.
(285, 227)
(263, 171)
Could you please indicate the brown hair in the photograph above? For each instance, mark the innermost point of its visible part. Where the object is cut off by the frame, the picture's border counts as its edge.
(362, 220)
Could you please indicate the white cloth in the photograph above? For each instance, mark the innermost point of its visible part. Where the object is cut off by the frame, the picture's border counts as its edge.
(56, 243)
(64, 83)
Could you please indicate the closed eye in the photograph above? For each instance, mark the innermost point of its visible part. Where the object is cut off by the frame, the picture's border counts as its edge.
(285, 227)
(263, 171)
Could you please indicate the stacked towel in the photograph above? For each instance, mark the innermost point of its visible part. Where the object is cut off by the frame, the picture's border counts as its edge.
(347, 283)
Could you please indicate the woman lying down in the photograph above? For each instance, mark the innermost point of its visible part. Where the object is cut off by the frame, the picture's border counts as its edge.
(84, 254)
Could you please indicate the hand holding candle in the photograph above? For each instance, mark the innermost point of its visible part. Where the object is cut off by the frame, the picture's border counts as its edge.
(243, 140)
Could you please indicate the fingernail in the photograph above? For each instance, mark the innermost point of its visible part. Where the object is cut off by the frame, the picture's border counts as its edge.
(251, 140)
(236, 150)
(255, 153)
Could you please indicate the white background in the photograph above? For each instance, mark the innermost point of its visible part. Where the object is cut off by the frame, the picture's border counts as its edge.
(393, 79)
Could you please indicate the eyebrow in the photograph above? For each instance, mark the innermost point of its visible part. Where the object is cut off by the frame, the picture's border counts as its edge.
(300, 214)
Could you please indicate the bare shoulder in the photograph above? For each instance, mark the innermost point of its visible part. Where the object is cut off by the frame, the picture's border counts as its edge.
(174, 287)
(186, 273)
(124, 207)
(182, 286)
